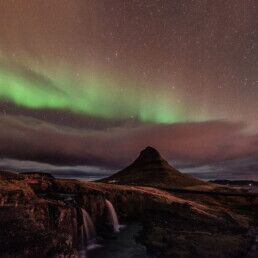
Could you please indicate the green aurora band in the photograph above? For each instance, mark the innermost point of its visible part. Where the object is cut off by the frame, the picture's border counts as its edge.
(92, 95)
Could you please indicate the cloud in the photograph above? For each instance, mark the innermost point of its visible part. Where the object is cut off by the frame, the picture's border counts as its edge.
(60, 117)
(114, 147)
(236, 169)
(89, 172)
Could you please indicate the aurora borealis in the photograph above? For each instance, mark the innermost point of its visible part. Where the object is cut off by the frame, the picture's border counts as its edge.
(101, 77)
(93, 95)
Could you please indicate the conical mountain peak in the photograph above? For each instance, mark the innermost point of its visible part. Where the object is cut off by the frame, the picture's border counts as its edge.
(148, 154)
(150, 169)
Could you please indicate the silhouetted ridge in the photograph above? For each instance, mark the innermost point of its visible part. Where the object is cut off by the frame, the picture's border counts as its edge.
(150, 169)
(149, 154)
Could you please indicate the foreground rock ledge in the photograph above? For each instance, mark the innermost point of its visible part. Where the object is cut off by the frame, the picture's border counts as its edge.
(35, 218)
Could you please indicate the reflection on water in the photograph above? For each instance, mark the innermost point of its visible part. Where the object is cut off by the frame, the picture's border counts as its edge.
(121, 246)
(253, 252)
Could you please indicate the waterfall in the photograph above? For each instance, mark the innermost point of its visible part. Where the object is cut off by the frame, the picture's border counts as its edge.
(2, 201)
(88, 231)
(88, 225)
(74, 227)
(31, 212)
(62, 216)
(84, 237)
(113, 216)
(82, 254)
(16, 203)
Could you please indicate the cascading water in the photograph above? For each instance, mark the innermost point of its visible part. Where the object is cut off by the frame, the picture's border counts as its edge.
(32, 211)
(62, 216)
(88, 232)
(88, 225)
(82, 253)
(2, 201)
(16, 203)
(74, 227)
(113, 216)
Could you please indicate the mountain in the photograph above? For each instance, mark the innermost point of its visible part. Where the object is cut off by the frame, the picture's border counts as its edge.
(150, 169)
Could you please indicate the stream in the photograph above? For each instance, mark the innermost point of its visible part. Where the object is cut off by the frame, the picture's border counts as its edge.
(123, 245)
(253, 252)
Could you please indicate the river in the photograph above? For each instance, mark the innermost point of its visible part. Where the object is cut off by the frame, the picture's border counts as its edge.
(123, 245)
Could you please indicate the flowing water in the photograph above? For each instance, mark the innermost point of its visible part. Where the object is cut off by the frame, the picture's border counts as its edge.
(3, 201)
(122, 245)
(82, 254)
(88, 225)
(253, 252)
(74, 227)
(88, 233)
(113, 216)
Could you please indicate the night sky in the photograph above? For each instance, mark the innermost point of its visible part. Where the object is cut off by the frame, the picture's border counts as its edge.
(86, 84)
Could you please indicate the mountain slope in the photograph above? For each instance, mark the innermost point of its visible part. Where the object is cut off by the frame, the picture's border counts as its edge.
(152, 170)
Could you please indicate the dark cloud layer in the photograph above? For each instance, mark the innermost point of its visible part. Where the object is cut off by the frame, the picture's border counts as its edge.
(186, 143)
(79, 172)
(236, 169)
(60, 117)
